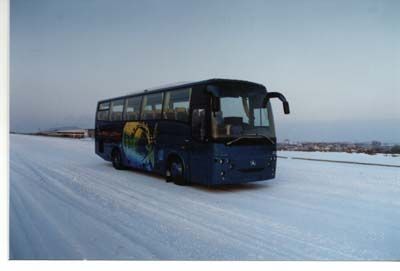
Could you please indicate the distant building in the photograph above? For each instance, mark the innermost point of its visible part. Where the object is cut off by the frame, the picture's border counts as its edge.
(72, 133)
(90, 132)
(286, 141)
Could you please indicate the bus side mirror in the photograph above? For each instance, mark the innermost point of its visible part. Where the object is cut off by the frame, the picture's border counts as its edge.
(199, 124)
(286, 108)
(280, 96)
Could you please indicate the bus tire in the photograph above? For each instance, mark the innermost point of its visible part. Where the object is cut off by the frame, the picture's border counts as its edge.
(175, 171)
(116, 158)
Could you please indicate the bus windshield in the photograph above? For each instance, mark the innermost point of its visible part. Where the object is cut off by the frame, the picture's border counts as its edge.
(242, 116)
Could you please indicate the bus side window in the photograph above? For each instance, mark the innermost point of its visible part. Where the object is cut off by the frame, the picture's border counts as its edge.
(103, 111)
(132, 108)
(176, 105)
(117, 107)
(152, 105)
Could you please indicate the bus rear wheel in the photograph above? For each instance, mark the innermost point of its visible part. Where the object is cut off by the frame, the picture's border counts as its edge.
(175, 172)
(117, 160)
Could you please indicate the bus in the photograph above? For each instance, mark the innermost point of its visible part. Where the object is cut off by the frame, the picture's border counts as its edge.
(211, 132)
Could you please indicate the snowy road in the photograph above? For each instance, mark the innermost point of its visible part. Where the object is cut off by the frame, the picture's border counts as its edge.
(67, 203)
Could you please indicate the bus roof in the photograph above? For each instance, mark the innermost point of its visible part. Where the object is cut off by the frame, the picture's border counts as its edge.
(183, 85)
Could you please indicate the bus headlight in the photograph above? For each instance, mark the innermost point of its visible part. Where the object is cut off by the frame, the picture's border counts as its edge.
(220, 160)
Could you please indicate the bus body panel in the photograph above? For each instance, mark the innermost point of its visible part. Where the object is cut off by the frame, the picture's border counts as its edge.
(149, 144)
(172, 139)
(242, 163)
(108, 137)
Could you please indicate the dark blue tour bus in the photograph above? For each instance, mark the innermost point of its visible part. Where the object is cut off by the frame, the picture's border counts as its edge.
(216, 131)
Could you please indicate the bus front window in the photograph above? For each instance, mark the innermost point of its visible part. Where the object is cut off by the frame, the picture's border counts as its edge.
(241, 116)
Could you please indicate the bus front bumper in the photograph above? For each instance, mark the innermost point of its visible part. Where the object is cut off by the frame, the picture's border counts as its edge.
(242, 170)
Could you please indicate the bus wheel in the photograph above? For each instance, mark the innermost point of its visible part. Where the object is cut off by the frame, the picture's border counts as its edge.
(175, 172)
(117, 160)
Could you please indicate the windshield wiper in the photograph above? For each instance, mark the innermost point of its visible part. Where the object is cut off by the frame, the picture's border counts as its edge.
(234, 140)
(269, 139)
(247, 136)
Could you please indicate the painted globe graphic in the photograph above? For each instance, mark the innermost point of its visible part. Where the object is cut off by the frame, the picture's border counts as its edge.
(137, 144)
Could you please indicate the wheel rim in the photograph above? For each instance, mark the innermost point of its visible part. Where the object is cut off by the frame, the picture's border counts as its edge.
(176, 170)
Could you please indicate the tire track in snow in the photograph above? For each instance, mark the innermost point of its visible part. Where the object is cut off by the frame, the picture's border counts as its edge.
(69, 198)
(139, 216)
(247, 234)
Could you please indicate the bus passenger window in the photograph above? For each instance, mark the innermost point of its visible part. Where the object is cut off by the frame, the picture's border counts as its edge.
(103, 110)
(132, 108)
(152, 105)
(117, 107)
(176, 105)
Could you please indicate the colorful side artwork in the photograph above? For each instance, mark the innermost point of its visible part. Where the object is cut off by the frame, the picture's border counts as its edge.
(138, 144)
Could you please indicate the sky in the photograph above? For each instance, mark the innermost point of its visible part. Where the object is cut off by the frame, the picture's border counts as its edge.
(337, 62)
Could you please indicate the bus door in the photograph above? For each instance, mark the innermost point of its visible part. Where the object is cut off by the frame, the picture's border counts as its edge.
(198, 151)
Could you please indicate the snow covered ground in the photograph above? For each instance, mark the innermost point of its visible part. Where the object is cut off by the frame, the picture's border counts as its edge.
(67, 203)
(385, 159)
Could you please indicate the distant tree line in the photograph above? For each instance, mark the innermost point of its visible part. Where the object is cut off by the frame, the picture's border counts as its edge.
(369, 148)
(395, 149)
